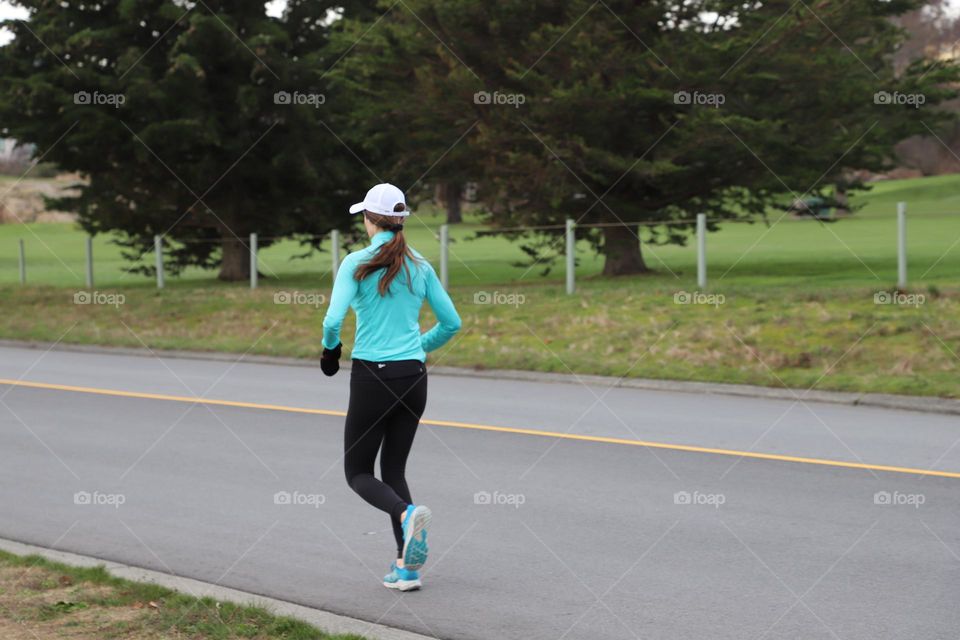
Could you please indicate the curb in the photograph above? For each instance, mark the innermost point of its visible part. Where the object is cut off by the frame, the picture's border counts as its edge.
(877, 400)
(330, 622)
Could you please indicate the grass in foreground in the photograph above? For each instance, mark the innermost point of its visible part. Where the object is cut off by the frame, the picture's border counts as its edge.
(828, 338)
(40, 599)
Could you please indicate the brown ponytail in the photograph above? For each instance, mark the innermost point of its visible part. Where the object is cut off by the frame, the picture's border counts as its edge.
(391, 256)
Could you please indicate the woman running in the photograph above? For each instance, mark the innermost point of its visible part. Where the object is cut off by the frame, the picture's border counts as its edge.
(386, 284)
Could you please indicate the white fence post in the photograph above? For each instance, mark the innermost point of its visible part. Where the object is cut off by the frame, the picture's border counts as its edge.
(23, 263)
(335, 252)
(571, 255)
(158, 253)
(901, 245)
(701, 250)
(445, 255)
(89, 262)
(253, 261)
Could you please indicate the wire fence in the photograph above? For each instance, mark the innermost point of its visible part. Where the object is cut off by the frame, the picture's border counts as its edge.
(451, 248)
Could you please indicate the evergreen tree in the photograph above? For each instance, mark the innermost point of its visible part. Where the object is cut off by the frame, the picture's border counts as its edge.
(626, 111)
(200, 122)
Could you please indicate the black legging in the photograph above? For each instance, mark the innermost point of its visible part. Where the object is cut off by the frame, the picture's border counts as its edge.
(386, 403)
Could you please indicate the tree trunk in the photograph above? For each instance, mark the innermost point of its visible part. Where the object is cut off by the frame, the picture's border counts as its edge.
(235, 263)
(621, 251)
(450, 195)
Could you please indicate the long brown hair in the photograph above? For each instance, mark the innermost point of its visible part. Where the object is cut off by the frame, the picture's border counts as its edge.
(391, 256)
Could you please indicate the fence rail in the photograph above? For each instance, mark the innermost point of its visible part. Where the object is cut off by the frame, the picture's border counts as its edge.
(570, 228)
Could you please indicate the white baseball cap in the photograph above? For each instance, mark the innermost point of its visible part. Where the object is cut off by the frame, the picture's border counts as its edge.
(382, 199)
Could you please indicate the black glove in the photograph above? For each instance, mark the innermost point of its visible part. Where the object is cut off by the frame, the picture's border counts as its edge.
(330, 360)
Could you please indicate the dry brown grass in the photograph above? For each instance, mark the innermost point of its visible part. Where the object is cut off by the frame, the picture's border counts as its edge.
(29, 608)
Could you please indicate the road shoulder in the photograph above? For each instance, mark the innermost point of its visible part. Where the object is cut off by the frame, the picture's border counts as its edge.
(881, 400)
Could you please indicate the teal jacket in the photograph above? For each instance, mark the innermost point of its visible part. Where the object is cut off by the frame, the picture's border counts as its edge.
(388, 327)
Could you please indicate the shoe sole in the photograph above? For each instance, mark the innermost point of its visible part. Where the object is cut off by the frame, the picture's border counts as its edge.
(414, 548)
(404, 585)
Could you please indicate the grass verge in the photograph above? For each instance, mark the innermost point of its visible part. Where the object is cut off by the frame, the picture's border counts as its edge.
(40, 599)
(824, 338)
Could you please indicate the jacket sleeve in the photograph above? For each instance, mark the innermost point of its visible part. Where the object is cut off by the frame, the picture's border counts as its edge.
(448, 321)
(345, 288)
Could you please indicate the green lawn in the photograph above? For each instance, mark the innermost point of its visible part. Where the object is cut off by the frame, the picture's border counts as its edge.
(798, 308)
(860, 250)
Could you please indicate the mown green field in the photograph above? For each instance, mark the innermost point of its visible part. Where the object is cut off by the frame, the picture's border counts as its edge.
(860, 250)
(798, 305)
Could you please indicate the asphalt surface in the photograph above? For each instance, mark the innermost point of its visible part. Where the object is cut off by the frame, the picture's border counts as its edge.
(579, 539)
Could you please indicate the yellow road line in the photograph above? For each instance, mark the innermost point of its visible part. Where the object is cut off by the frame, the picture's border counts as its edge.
(486, 427)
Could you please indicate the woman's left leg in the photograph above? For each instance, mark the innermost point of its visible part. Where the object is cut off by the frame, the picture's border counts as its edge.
(367, 418)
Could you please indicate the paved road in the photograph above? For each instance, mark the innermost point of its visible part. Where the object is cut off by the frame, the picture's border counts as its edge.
(599, 547)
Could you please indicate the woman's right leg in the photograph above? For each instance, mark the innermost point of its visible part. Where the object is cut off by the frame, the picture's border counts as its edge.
(367, 416)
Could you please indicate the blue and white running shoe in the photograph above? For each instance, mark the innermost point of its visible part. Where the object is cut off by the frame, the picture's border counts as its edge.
(402, 579)
(415, 536)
